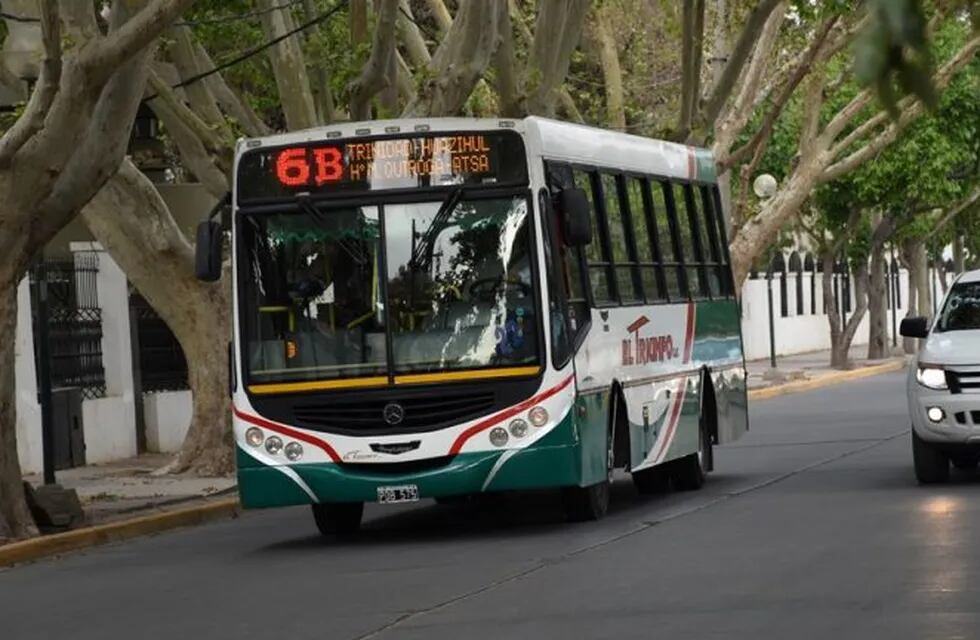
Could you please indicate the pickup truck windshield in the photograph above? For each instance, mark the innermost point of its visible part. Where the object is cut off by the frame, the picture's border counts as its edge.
(962, 309)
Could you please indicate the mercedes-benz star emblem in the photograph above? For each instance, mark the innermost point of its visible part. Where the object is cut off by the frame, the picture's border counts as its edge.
(393, 413)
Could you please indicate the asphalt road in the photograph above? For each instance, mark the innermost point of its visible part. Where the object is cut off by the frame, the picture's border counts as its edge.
(812, 527)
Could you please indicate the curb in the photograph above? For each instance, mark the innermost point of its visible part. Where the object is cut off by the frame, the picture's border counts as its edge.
(57, 543)
(825, 380)
(50, 545)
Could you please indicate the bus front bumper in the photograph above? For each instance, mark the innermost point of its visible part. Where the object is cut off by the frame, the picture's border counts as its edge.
(537, 466)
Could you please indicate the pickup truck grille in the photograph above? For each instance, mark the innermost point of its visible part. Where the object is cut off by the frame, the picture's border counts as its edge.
(963, 381)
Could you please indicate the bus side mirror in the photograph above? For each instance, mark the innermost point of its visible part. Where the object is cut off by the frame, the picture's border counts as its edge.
(207, 252)
(574, 207)
(915, 327)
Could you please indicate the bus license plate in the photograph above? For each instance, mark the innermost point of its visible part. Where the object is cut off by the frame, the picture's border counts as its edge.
(400, 493)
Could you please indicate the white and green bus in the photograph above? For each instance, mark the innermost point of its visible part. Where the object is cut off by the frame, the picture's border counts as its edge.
(445, 307)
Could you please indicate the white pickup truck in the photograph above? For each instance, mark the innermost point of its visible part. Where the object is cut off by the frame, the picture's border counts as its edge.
(944, 383)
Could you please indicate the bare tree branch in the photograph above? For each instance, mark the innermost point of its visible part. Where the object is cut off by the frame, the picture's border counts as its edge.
(507, 77)
(557, 30)
(48, 83)
(229, 99)
(441, 16)
(411, 37)
(743, 47)
(132, 36)
(692, 44)
(963, 205)
(799, 71)
(461, 59)
(99, 151)
(372, 78)
(184, 56)
(325, 105)
(913, 110)
(612, 74)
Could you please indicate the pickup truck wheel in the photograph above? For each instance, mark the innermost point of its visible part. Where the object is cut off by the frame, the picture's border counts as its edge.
(931, 465)
(965, 460)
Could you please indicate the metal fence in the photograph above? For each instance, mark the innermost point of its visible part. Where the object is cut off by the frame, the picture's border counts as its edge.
(74, 322)
(161, 360)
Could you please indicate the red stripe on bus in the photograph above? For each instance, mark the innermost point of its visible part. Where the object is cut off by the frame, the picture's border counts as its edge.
(286, 431)
(672, 420)
(689, 335)
(489, 422)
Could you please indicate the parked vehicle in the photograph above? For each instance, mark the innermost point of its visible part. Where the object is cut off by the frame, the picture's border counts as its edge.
(944, 383)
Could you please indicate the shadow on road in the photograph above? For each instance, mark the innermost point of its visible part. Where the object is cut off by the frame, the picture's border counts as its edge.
(519, 514)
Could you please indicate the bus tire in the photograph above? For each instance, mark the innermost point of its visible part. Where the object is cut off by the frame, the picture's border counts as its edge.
(688, 473)
(584, 504)
(338, 518)
(651, 481)
(931, 464)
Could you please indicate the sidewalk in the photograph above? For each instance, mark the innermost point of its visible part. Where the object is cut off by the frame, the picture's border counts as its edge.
(126, 488)
(810, 366)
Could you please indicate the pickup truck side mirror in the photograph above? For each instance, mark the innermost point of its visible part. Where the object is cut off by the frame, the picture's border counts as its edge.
(207, 252)
(917, 327)
(573, 205)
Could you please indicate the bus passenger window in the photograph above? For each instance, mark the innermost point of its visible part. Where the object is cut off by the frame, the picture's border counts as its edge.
(623, 253)
(673, 271)
(596, 252)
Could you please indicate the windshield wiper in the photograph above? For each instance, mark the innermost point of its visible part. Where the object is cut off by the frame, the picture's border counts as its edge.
(303, 201)
(425, 245)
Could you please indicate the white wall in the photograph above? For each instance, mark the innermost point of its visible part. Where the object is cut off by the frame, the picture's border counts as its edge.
(168, 416)
(797, 333)
(110, 422)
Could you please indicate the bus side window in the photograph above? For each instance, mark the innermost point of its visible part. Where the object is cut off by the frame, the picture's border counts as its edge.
(568, 261)
(690, 242)
(645, 234)
(712, 199)
(669, 240)
(597, 252)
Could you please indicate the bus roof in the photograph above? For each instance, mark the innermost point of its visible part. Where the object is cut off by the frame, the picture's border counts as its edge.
(551, 139)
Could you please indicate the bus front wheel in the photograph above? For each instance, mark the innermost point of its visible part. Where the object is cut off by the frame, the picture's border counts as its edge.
(583, 504)
(338, 518)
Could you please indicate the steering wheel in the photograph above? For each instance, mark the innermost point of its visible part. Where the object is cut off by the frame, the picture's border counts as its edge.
(445, 289)
(485, 288)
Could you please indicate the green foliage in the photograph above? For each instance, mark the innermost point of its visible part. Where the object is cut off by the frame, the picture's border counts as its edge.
(327, 44)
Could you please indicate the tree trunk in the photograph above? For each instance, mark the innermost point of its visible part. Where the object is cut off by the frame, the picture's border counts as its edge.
(612, 74)
(838, 359)
(878, 306)
(959, 253)
(920, 295)
(15, 518)
(860, 279)
(133, 223)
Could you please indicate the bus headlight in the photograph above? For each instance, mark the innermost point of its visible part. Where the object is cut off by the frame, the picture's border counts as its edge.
(538, 416)
(254, 436)
(931, 377)
(273, 445)
(294, 451)
(498, 436)
(518, 428)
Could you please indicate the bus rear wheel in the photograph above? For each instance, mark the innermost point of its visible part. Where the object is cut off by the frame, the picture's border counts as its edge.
(688, 473)
(338, 518)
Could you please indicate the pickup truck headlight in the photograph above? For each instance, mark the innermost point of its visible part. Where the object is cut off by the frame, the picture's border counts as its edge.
(931, 377)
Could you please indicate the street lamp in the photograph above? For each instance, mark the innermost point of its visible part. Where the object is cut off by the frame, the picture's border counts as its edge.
(765, 186)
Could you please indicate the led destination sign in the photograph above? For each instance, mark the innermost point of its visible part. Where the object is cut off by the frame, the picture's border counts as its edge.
(390, 163)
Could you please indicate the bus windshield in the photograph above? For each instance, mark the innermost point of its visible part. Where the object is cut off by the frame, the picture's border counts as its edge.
(962, 309)
(390, 289)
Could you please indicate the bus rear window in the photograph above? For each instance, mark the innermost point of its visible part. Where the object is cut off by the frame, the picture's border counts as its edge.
(494, 158)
